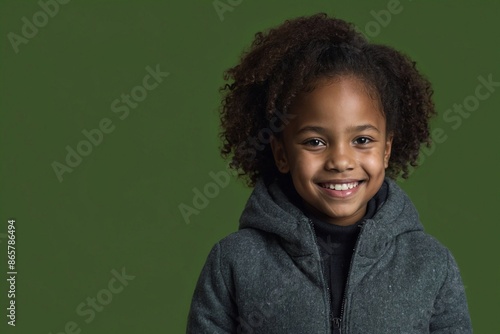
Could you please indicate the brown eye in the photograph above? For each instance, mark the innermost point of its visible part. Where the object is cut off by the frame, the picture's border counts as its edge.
(363, 140)
(314, 142)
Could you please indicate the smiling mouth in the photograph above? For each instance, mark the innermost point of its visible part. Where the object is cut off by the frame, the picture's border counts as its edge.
(340, 186)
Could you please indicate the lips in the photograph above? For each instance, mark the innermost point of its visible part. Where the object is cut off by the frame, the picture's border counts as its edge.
(340, 186)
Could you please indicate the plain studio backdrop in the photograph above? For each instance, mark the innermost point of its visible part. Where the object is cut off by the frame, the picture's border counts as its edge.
(109, 149)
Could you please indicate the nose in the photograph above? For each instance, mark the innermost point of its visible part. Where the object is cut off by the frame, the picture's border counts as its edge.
(339, 158)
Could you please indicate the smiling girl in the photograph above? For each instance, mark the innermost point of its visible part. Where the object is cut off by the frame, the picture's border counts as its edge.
(328, 242)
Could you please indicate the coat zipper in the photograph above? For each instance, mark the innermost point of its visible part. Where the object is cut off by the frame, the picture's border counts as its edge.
(330, 311)
(337, 322)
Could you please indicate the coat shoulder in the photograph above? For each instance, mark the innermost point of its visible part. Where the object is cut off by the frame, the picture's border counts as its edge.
(424, 243)
(421, 250)
(248, 243)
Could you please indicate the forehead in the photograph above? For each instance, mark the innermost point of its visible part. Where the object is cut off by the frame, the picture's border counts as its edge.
(338, 102)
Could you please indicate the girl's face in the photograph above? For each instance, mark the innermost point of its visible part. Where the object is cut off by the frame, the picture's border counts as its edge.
(336, 149)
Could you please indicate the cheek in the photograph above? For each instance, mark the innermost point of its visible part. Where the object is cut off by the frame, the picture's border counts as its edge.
(305, 165)
(374, 163)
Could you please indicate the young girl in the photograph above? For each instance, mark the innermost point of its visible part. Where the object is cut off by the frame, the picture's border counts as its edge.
(320, 122)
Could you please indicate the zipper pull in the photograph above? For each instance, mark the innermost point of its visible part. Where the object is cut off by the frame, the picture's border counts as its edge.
(336, 323)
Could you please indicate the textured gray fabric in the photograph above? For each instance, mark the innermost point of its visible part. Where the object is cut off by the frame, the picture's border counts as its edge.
(267, 277)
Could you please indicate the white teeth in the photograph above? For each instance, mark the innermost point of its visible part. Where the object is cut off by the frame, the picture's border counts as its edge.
(340, 186)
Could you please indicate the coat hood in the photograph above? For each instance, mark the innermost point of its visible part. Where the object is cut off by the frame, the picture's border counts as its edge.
(270, 210)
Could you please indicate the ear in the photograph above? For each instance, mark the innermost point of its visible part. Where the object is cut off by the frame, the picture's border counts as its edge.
(387, 150)
(279, 153)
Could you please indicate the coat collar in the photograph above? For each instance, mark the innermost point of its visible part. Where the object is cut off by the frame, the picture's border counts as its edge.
(270, 210)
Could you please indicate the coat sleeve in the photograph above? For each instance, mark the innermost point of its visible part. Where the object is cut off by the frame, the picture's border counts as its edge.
(450, 313)
(212, 307)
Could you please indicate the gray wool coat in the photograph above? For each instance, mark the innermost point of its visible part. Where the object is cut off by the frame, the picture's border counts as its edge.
(268, 278)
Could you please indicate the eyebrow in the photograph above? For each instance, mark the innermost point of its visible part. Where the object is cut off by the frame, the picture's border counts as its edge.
(321, 130)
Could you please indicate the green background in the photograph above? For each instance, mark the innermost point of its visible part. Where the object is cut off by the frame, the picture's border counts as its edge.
(119, 208)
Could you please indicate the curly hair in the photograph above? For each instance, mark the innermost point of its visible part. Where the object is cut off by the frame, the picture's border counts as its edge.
(292, 58)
